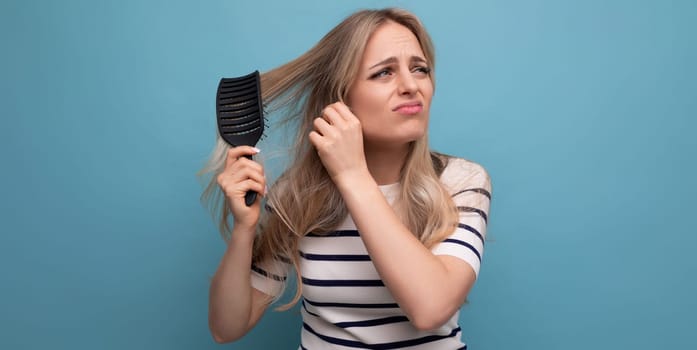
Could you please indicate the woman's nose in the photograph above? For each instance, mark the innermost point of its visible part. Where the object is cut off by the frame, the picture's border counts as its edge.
(406, 84)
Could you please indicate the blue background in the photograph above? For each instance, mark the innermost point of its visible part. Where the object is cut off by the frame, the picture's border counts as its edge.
(582, 111)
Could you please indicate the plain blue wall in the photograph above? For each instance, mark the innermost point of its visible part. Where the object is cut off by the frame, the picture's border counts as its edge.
(582, 111)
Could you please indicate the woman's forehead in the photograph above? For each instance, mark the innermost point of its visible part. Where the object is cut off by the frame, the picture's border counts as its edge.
(391, 40)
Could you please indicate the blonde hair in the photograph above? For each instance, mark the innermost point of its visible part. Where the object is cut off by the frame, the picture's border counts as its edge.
(304, 199)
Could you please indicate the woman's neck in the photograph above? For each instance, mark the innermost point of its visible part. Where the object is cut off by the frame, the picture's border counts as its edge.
(385, 165)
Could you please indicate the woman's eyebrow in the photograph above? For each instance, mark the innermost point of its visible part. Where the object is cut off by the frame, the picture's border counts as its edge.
(384, 62)
(418, 59)
(393, 59)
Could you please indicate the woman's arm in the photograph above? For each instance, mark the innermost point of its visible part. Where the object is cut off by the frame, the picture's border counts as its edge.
(429, 288)
(234, 306)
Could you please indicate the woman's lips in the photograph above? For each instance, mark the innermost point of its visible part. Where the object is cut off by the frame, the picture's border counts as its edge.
(409, 108)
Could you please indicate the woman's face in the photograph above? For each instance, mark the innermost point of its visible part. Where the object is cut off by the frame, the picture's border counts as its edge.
(391, 95)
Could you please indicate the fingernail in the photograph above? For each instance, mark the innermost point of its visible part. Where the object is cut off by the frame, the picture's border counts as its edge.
(256, 149)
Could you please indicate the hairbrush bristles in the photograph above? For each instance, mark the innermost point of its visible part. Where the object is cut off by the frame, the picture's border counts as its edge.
(240, 111)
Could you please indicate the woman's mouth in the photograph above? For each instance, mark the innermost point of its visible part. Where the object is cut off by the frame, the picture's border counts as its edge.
(409, 108)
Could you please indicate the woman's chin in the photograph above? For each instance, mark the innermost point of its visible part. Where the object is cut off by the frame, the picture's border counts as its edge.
(394, 140)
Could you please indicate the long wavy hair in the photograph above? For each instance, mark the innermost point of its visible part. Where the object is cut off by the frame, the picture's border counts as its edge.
(304, 199)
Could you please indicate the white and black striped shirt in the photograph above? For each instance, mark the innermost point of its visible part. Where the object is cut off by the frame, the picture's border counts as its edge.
(345, 303)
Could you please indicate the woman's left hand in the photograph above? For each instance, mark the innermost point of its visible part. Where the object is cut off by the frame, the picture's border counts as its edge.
(338, 139)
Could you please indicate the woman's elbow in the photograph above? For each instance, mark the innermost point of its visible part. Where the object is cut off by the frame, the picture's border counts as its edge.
(222, 335)
(430, 318)
(427, 324)
(222, 338)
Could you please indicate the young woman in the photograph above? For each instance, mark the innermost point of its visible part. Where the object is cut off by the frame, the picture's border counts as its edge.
(385, 236)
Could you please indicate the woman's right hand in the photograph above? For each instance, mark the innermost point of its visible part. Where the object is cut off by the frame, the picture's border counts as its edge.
(239, 176)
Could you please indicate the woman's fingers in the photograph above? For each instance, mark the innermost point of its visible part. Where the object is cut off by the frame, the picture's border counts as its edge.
(241, 174)
(241, 164)
(316, 139)
(335, 118)
(338, 138)
(235, 153)
(251, 185)
(343, 111)
(323, 127)
(332, 114)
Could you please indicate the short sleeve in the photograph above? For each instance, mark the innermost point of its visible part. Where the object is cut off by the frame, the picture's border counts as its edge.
(470, 188)
(270, 276)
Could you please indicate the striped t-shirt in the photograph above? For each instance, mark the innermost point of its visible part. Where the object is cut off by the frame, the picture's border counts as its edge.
(345, 303)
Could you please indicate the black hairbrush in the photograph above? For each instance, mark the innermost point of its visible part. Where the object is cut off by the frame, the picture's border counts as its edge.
(240, 114)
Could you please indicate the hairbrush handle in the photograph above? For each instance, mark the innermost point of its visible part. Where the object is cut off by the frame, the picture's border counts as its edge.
(250, 196)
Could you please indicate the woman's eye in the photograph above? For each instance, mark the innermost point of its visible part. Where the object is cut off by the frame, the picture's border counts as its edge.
(380, 74)
(422, 69)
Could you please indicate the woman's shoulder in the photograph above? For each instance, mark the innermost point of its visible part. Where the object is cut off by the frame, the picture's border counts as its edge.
(459, 173)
